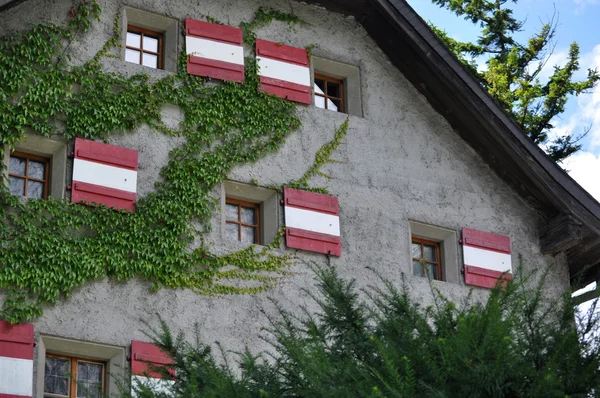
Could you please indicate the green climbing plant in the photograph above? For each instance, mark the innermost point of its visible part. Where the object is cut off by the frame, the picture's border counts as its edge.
(51, 247)
(322, 157)
(263, 17)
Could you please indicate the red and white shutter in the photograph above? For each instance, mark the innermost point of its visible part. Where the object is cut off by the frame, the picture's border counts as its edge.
(214, 50)
(16, 360)
(104, 174)
(284, 71)
(143, 353)
(486, 258)
(312, 222)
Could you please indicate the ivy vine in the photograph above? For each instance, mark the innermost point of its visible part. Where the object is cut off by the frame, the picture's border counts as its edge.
(322, 157)
(51, 247)
(263, 17)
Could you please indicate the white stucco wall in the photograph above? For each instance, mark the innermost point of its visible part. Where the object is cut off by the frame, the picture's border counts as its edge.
(401, 161)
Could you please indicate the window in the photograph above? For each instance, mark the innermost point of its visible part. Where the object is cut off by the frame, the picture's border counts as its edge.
(242, 221)
(73, 377)
(250, 213)
(426, 258)
(144, 47)
(336, 86)
(149, 39)
(435, 249)
(329, 93)
(24, 172)
(28, 175)
(74, 368)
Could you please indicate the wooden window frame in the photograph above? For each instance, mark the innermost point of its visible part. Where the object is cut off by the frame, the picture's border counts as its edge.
(73, 374)
(326, 96)
(151, 33)
(438, 253)
(240, 224)
(41, 159)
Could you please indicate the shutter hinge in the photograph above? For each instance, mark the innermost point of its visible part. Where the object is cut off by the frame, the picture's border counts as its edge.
(69, 187)
(460, 242)
(462, 270)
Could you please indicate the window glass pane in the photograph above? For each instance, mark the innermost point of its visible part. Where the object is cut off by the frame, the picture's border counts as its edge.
(89, 379)
(418, 268)
(333, 105)
(35, 189)
(17, 186)
(132, 56)
(231, 212)
(319, 86)
(429, 253)
(16, 166)
(334, 89)
(416, 250)
(89, 390)
(57, 366)
(249, 234)
(56, 376)
(150, 60)
(232, 231)
(133, 39)
(36, 169)
(150, 44)
(57, 385)
(432, 270)
(319, 102)
(249, 215)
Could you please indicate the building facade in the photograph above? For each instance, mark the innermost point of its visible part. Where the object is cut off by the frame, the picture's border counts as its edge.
(409, 193)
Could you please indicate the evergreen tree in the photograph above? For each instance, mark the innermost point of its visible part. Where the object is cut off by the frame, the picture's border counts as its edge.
(512, 76)
(385, 343)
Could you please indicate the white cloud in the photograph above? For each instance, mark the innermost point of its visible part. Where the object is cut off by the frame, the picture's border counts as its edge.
(584, 167)
(582, 4)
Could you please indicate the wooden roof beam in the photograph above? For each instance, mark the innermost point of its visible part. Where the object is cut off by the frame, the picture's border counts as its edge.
(560, 234)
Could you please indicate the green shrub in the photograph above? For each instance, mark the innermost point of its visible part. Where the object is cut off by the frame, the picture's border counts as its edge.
(518, 343)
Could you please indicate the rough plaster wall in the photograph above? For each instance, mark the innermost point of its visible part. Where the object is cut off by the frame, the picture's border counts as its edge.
(401, 162)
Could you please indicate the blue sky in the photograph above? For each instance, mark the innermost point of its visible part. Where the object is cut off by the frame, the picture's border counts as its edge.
(577, 21)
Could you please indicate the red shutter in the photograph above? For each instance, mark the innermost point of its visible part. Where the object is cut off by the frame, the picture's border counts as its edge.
(312, 222)
(142, 353)
(104, 174)
(16, 360)
(214, 50)
(487, 258)
(284, 71)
